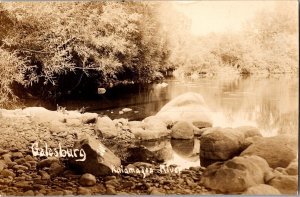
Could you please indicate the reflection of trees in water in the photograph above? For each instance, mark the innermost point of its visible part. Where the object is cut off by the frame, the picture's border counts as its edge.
(288, 123)
(268, 114)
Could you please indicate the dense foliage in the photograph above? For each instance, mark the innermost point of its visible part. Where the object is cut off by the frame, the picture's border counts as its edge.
(56, 48)
(53, 49)
(267, 44)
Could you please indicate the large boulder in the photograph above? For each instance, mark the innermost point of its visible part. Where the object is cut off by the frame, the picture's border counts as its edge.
(87, 118)
(220, 143)
(235, 175)
(286, 184)
(262, 189)
(278, 151)
(189, 107)
(149, 129)
(182, 130)
(42, 115)
(292, 168)
(99, 159)
(248, 131)
(106, 127)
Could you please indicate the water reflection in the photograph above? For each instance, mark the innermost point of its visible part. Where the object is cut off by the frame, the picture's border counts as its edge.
(270, 103)
(183, 153)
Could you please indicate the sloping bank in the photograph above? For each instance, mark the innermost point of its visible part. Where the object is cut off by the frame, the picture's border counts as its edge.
(66, 152)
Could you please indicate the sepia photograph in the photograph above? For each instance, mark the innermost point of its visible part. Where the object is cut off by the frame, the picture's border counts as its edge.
(149, 97)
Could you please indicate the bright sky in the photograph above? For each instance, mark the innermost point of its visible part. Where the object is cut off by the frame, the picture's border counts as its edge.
(220, 16)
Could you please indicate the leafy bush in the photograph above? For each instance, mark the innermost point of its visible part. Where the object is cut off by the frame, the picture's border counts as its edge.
(71, 45)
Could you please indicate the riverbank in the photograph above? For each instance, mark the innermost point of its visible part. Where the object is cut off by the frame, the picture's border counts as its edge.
(23, 174)
(236, 155)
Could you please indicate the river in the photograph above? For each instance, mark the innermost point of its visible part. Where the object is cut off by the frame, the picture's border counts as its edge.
(269, 103)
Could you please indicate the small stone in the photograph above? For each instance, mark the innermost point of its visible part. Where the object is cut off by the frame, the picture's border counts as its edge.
(122, 193)
(87, 180)
(17, 155)
(88, 118)
(8, 173)
(128, 184)
(20, 161)
(56, 193)
(68, 192)
(2, 165)
(11, 164)
(155, 191)
(20, 167)
(44, 175)
(110, 191)
(56, 169)
(113, 183)
(23, 184)
(28, 193)
(2, 151)
(7, 157)
(47, 162)
(83, 191)
(108, 178)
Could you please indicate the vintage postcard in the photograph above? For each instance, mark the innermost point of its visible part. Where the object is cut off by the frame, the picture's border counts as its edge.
(149, 98)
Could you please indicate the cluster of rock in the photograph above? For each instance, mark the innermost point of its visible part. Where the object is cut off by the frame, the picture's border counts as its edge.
(245, 162)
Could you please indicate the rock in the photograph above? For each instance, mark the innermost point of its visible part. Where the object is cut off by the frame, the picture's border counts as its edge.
(83, 191)
(182, 130)
(286, 184)
(16, 155)
(56, 127)
(262, 189)
(292, 168)
(278, 151)
(111, 191)
(189, 107)
(151, 128)
(28, 193)
(220, 144)
(235, 175)
(73, 122)
(155, 191)
(201, 124)
(55, 193)
(68, 193)
(87, 118)
(87, 180)
(7, 157)
(42, 115)
(47, 162)
(199, 132)
(2, 151)
(44, 175)
(56, 168)
(101, 90)
(8, 173)
(2, 165)
(99, 159)
(106, 127)
(20, 167)
(249, 131)
(23, 184)
(126, 110)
